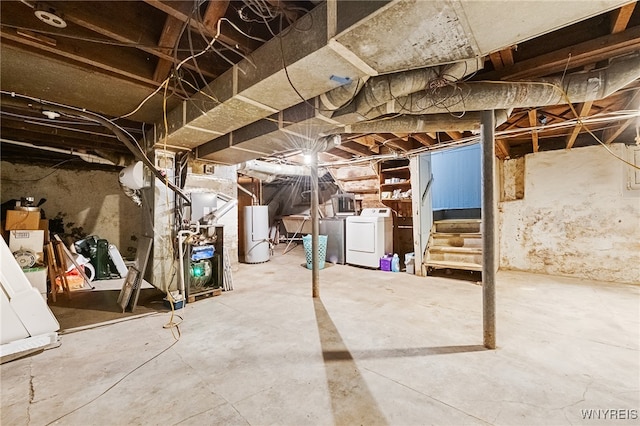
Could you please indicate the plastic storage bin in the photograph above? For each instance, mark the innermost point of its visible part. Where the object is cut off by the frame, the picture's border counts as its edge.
(322, 243)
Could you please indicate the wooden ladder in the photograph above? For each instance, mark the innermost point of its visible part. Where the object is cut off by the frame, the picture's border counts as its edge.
(57, 267)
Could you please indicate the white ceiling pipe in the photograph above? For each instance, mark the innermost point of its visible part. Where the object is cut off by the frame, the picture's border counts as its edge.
(273, 168)
(422, 123)
(89, 158)
(267, 171)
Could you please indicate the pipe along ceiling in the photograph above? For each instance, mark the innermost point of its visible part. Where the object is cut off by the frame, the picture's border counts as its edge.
(341, 71)
(419, 101)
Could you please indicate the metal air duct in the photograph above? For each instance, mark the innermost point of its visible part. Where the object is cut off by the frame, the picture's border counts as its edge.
(478, 96)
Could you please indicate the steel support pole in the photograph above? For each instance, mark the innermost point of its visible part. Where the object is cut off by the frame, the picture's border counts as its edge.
(315, 227)
(489, 265)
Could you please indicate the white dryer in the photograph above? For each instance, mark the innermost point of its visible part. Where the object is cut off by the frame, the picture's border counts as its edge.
(369, 237)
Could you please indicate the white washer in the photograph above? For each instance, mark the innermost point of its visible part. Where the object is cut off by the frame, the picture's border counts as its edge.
(369, 237)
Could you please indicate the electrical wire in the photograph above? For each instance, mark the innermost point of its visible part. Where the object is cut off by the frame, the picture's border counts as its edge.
(607, 117)
(581, 123)
(177, 67)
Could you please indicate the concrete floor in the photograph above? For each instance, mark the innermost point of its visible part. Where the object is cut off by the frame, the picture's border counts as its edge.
(376, 348)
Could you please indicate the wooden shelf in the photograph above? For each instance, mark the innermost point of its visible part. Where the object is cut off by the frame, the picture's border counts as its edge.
(364, 191)
(356, 178)
(395, 169)
(398, 200)
(397, 184)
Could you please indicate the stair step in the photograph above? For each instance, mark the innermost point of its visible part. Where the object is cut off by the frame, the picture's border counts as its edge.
(456, 240)
(458, 234)
(448, 256)
(458, 225)
(462, 250)
(443, 264)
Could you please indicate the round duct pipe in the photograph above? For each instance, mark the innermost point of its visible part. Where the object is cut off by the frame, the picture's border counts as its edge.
(423, 123)
(264, 170)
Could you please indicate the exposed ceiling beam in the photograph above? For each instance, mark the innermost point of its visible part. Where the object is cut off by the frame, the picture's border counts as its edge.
(423, 138)
(124, 68)
(584, 111)
(215, 11)
(620, 18)
(610, 135)
(325, 157)
(502, 59)
(59, 138)
(369, 142)
(177, 9)
(129, 34)
(502, 149)
(434, 136)
(354, 148)
(404, 136)
(579, 55)
(170, 35)
(533, 122)
(338, 153)
(454, 135)
(390, 140)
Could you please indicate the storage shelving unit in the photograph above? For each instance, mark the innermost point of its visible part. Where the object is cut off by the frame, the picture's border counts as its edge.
(395, 186)
(395, 192)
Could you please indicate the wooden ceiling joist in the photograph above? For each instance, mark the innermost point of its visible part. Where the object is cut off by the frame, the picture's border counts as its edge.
(215, 11)
(123, 33)
(583, 112)
(339, 154)
(354, 148)
(533, 122)
(502, 149)
(126, 71)
(368, 142)
(424, 139)
(170, 35)
(392, 141)
(612, 134)
(502, 59)
(595, 50)
(175, 9)
(454, 135)
(620, 18)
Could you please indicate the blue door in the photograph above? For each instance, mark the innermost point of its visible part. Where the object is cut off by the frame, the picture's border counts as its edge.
(457, 178)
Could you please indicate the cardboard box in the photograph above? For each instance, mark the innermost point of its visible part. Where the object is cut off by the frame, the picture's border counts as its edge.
(26, 240)
(22, 219)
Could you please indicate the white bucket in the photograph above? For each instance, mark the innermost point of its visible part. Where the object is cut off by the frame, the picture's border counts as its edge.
(409, 263)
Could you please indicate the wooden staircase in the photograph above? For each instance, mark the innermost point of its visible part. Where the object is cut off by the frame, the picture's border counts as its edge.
(455, 244)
